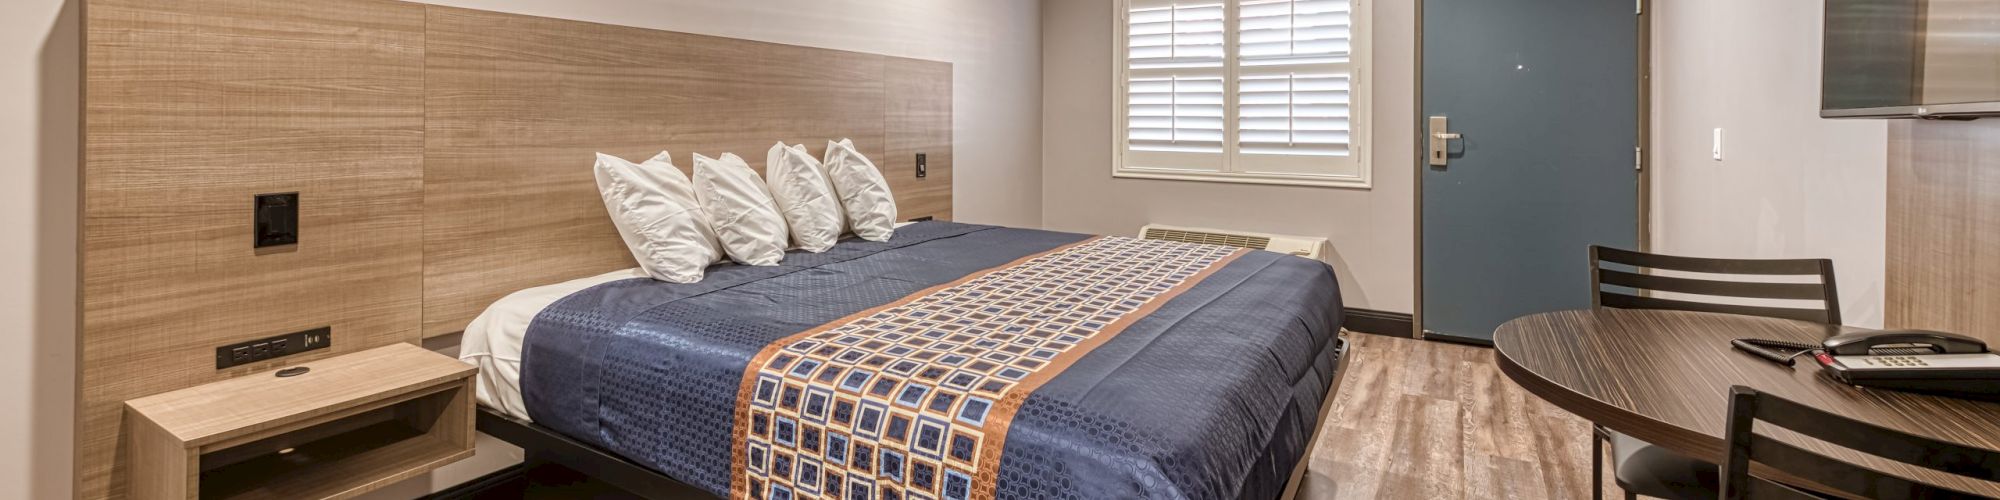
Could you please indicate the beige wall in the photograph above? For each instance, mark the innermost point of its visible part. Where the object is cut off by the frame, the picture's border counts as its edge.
(1790, 184)
(38, 144)
(994, 46)
(1372, 230)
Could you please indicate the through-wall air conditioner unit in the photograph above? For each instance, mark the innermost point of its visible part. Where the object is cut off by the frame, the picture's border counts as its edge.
(1311, 248)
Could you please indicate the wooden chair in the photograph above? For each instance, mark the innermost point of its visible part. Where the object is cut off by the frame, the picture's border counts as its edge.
(1646, 469)
(1823, 291)
(1747, 406)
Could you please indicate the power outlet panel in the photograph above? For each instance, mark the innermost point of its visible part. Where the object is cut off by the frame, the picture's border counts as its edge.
(277, 220)
(243, 353)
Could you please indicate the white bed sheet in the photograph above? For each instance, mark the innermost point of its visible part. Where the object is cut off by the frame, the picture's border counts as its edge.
(493, 340)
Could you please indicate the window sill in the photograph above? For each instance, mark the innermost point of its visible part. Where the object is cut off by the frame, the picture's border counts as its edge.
(1361, 183)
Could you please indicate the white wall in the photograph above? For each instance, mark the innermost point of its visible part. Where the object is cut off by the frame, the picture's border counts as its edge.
(1372, 230)
(1790, 184)
(994, 47)
(38, 144)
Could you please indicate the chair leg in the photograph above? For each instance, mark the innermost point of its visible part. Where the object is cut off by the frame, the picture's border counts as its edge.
(1596, 466)
(1631, 496)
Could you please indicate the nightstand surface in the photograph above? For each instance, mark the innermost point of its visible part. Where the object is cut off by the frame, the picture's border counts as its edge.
(206, 414)
(342, 416)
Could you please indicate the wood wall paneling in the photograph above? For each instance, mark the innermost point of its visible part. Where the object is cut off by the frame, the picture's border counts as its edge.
(442, 156)
(191, 108)
(918, 121)
(518, 106)
(1944, 227)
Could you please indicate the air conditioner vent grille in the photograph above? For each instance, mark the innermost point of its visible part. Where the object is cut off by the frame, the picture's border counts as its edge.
(1303, 246)
(1234, 240)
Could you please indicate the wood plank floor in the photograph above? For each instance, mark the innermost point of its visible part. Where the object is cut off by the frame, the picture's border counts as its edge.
(1430, 420)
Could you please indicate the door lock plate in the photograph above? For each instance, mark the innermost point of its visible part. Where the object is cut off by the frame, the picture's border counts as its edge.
(1441, 137)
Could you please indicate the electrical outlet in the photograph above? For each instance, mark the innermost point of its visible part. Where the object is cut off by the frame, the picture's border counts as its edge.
(252, 351)
(923, 165)
(276, 220)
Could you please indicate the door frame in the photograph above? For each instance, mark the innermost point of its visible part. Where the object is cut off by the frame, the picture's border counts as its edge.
(1643, 159)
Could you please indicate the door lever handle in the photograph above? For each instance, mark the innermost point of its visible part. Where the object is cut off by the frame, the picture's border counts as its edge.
(1441, 138)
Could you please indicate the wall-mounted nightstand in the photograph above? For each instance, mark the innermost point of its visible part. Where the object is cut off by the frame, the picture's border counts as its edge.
(348, 425)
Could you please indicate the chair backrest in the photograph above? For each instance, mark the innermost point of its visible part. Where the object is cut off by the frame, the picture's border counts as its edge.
(1746, 406)
(1822, 291)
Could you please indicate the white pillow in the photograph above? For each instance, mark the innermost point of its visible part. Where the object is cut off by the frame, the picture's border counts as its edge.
(864, 194)
(656, 211)
(741, 210)
(839, 214)
(804, 197)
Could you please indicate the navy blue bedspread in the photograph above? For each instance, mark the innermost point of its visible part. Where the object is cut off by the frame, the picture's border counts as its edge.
(1210, 396)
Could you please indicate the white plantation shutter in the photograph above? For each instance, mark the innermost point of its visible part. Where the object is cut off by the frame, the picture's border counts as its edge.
(1294, 84)
(1176, 114)
(1294, 31)
(1249, 88)
(1177, 34)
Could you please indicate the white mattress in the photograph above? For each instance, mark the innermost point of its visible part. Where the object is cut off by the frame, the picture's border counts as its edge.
(493, 340)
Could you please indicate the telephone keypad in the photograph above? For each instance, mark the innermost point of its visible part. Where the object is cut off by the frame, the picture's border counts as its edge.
(1982, 361)
(1897, 361)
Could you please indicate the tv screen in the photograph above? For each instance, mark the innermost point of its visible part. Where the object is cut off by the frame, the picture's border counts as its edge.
(1911, 58)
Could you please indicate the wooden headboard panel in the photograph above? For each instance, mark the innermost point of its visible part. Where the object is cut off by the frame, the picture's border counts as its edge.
(442, 157)
(517, 105)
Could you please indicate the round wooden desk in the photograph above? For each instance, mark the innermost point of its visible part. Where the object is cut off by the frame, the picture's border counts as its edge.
(1664, 376)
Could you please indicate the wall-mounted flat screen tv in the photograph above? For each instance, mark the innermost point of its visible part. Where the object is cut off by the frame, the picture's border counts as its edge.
(1911, 59)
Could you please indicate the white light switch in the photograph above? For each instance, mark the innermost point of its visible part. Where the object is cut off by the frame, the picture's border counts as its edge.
(1716, 150)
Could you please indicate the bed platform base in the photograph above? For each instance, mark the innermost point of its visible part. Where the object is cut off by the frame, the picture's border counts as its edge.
(1343, 356)
(543, 445)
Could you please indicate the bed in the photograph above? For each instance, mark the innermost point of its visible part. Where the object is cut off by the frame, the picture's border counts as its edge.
(953, 361)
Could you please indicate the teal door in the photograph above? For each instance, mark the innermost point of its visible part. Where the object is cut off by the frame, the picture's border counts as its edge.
(1543, 96)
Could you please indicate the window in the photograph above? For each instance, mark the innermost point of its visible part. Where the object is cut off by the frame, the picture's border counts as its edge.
(1258, 91)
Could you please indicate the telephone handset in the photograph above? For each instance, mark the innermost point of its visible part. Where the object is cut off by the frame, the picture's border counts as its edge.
(1910, 342)
(1914, 360)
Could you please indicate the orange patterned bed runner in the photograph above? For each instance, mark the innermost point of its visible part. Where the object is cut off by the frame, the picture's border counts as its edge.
(912, 400)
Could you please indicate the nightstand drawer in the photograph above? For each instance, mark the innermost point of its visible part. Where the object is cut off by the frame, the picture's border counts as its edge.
(346, 426)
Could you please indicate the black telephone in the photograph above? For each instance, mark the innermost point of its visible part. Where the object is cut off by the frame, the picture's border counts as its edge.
(1914, 360)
